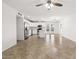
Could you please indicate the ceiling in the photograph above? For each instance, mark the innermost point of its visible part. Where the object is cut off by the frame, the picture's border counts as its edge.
(27, 7)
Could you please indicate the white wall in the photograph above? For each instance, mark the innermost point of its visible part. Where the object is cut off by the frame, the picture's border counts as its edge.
(20, 28)
(69, 27)
(8, 27)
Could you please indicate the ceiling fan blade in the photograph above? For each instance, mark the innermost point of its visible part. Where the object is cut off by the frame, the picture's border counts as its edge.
(39, 5)
(58, 4)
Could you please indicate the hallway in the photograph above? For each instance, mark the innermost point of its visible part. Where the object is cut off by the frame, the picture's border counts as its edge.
(39, 48)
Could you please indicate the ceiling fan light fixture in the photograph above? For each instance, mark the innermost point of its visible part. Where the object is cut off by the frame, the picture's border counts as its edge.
(49, 6)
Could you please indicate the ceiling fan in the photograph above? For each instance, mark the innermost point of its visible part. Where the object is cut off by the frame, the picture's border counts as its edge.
(49, 4)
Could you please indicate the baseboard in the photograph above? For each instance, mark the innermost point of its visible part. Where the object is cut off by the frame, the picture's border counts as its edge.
(69, 38)
(8, 47)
